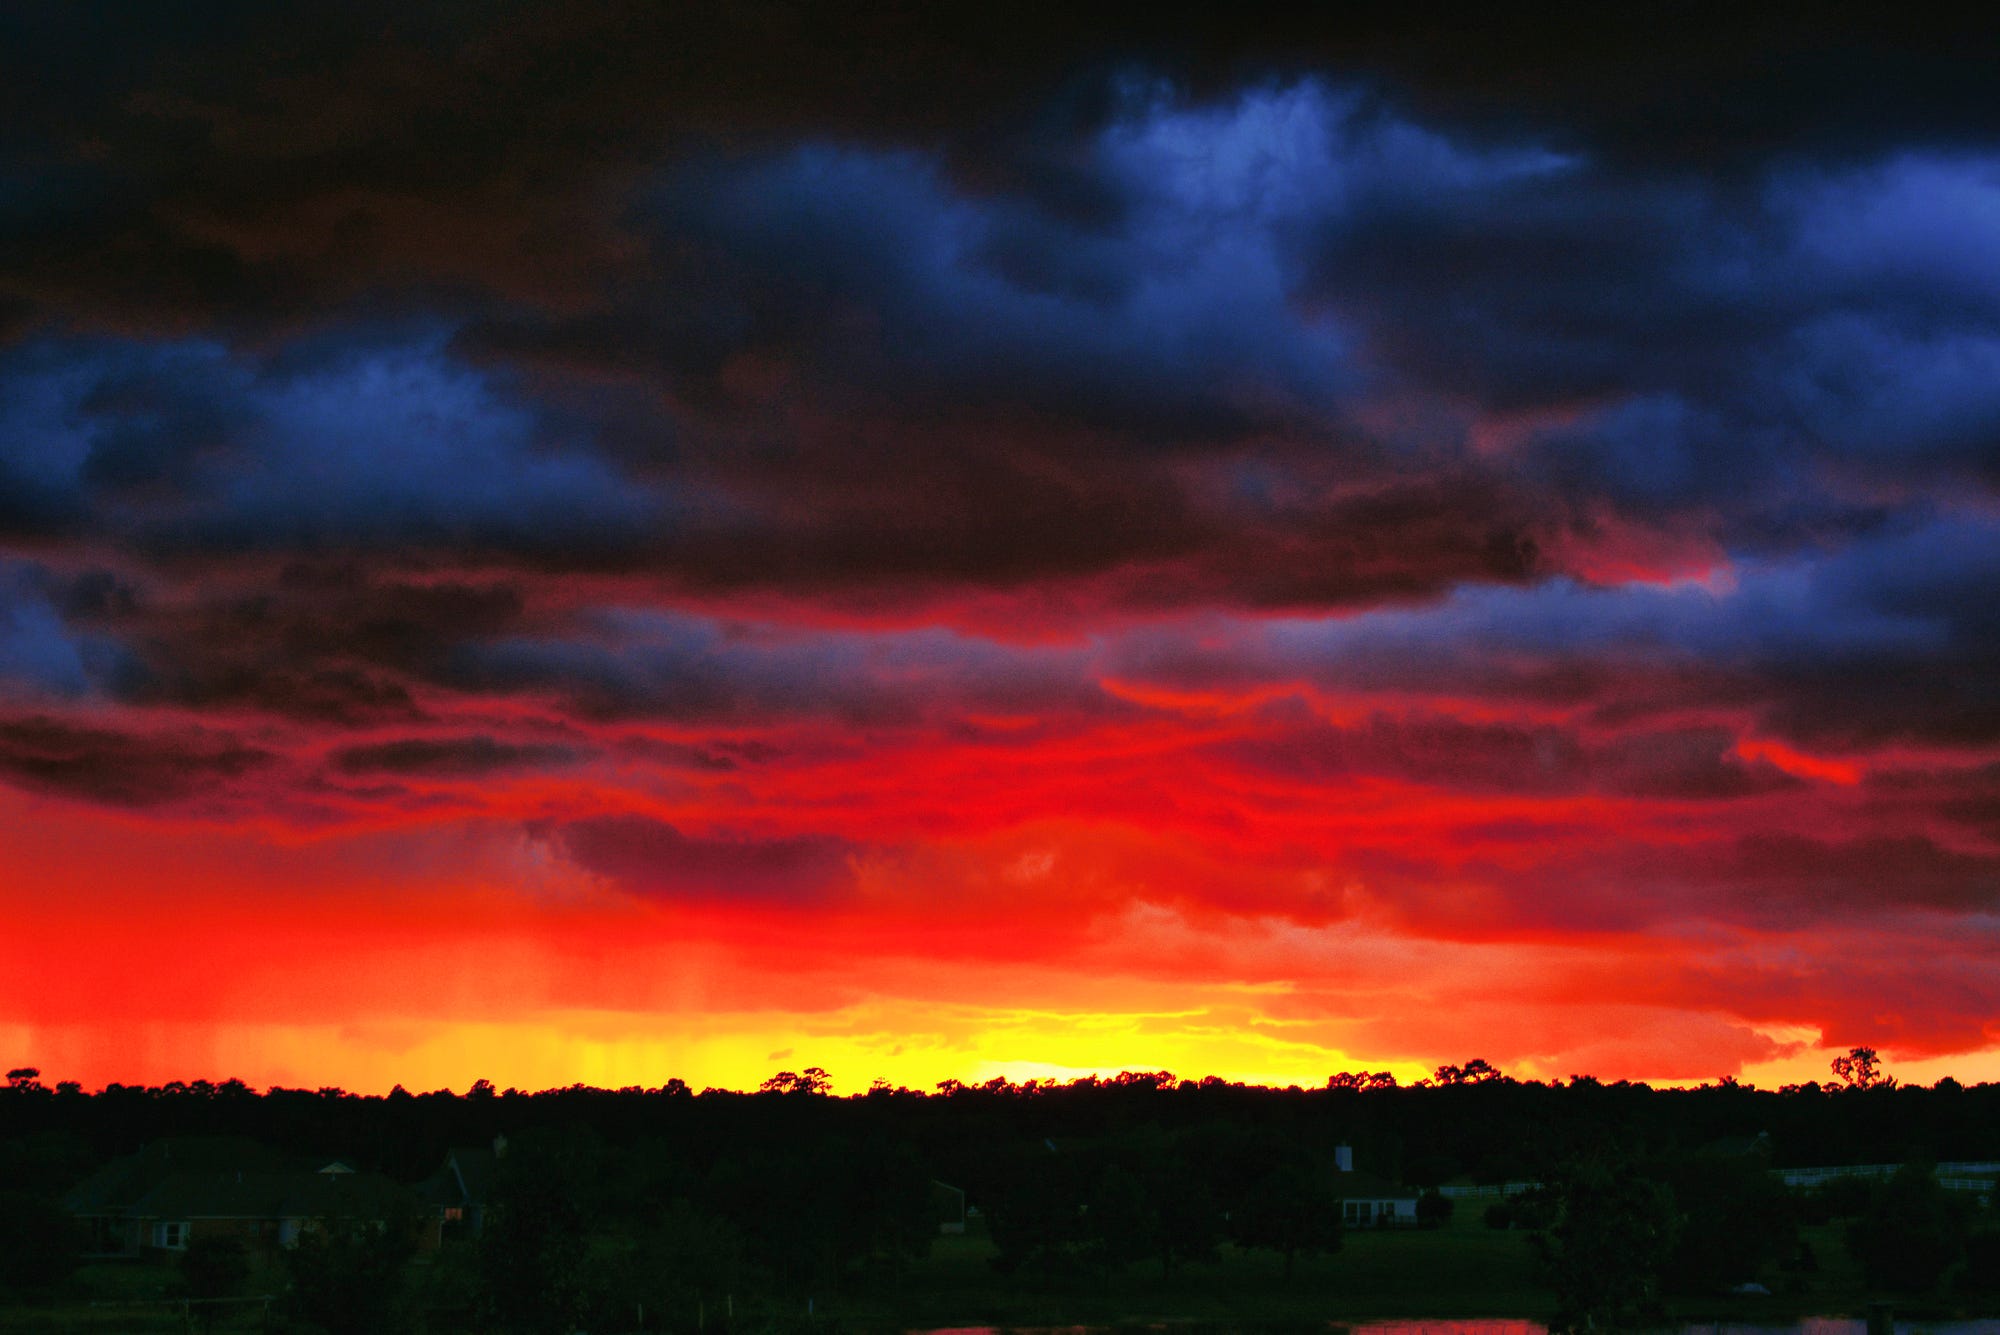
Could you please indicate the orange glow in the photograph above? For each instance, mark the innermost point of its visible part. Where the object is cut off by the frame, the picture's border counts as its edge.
(1052, 949)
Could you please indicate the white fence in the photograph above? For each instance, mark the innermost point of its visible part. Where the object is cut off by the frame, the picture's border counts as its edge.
(1493, 1192)
(1959, 1175)
(1812, 1177)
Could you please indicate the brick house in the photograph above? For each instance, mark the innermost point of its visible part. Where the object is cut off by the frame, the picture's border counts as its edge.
(157, 1201)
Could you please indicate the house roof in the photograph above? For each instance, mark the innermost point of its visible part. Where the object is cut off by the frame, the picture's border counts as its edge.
(287, 1194)
(465, 1178)
(476, 1170)
(118, 1185)
(229, 1177)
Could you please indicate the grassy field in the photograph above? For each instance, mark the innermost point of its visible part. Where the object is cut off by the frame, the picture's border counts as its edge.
(1462, 1270)
(1465, 1270)
(130, 1298)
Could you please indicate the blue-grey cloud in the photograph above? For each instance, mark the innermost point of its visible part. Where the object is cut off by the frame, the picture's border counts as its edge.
(1891, 636)
(630, 663)
(364, 442)
(43, 656)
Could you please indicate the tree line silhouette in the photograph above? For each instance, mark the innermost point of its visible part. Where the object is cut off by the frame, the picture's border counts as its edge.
(686, 1200)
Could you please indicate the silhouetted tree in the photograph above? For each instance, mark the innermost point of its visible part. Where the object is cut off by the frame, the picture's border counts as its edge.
(1117, 1227)
(1602, 1252)
(1911, 1235)
(812, 1208)
(1475, 1072)
(812, 1080)
(1736, 1219)
(1861, 1069)
(1033, 1212)
(822, 1190)
(531, 1252)
(1290, 1211)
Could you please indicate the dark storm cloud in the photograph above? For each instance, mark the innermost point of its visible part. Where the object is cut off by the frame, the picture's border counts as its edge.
(1891, 637)
(1699, 342)
(1172, 316)
(1298, 278)
(652, 858)
(252, 160)
(383, 152)
(628, 663)
(450, 757)
(905, 384)
(1921, 994)
(871, 269)
(1965, 798)
(1786, 880)
(1458, 472)
(1694, 764)
(121, 768)
(417, 369)
(1778, 881)
(328, 640)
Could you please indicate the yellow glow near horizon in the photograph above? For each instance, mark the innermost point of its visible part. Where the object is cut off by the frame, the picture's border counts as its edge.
(739, 1052)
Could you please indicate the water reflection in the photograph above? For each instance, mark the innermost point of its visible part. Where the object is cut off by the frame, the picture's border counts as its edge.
(1812, 1325)
(1478, 1326)
(1842, 1325)
(1816, 1325)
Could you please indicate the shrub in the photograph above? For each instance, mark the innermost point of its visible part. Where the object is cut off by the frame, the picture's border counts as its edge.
(214, 1268)
(1434, 1208)
(347, 1279)
(39, 1246)
(1846, 1198)
(1982, 1262)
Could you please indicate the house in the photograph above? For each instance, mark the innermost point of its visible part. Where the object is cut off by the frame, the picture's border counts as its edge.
(1368, 1201)
(106, 1203)
(948, 1207)
(459, 1193)
(174, 1191)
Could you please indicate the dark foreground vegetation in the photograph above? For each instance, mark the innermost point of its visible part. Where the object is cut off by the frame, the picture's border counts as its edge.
(1141, 1198)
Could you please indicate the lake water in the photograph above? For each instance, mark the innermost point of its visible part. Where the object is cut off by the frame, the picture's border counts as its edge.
(1817, 1325)
(1820, 1325)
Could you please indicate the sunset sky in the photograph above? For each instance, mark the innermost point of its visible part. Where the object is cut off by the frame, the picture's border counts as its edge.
(609, 542)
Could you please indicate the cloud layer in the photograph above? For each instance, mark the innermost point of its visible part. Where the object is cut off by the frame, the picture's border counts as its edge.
(1299, 517)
